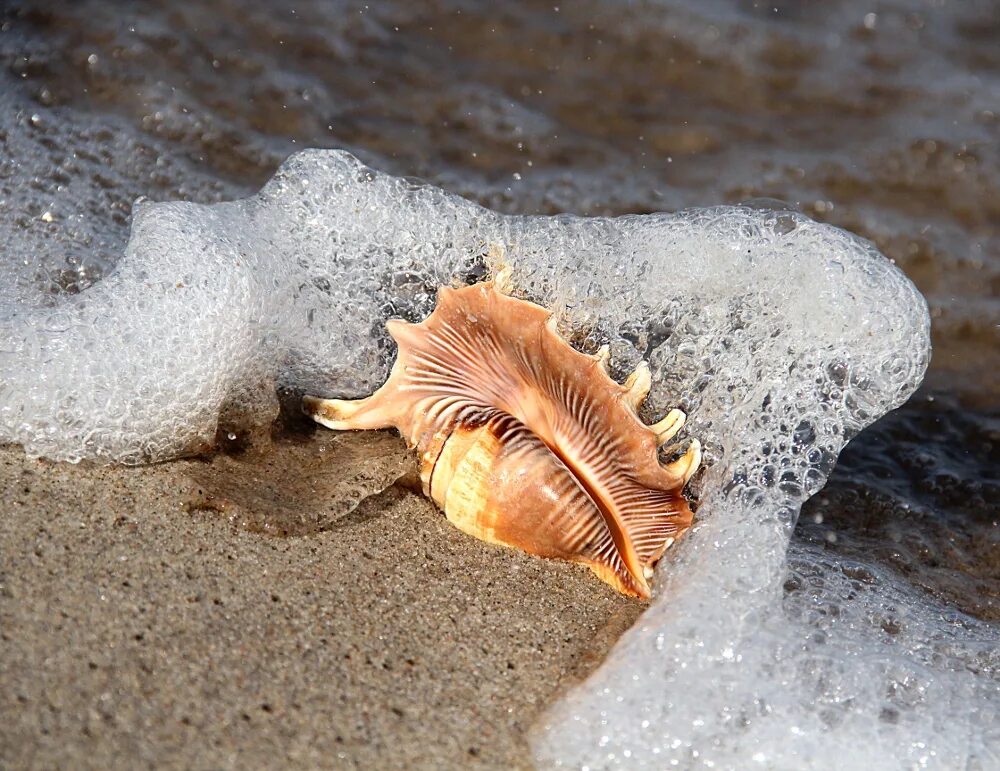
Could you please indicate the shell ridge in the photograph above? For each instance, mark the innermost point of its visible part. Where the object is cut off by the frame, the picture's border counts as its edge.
(584, 529)
(612, 518)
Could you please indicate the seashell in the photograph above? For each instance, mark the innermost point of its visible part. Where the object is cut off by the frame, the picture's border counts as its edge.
(526, 442)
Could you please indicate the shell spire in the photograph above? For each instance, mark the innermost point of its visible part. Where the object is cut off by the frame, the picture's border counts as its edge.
(526, 442)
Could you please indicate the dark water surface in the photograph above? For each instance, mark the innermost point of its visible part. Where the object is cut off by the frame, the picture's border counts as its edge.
(883, 118)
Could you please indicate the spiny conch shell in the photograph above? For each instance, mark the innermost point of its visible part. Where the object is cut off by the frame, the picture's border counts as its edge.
(525, 441)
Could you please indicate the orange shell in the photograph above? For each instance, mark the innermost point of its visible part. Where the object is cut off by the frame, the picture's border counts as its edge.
(525, 441)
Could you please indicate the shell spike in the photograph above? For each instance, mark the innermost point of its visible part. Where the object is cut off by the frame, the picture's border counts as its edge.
(502, 279)
(603, 356)
(686, 465)
(346, 414)
(637, 385)
(667, 428)
(401, 330)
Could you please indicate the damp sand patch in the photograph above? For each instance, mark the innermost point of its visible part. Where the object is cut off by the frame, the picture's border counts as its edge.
(138, 626)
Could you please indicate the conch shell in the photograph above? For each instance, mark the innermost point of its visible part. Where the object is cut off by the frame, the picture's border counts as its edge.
(525, 441)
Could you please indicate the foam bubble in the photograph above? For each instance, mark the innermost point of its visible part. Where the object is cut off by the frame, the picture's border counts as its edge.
(781, 338)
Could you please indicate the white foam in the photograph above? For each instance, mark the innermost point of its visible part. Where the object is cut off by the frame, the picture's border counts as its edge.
(779, 336)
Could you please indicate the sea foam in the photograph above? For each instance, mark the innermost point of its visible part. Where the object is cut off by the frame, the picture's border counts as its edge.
(780, 337)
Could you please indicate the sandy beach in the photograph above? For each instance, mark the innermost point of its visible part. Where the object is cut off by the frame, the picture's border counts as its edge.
(149, 617)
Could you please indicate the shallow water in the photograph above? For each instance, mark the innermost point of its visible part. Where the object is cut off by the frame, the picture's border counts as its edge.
(880, 118)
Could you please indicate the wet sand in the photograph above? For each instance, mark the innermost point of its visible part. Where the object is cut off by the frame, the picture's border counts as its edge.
(150, 617)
